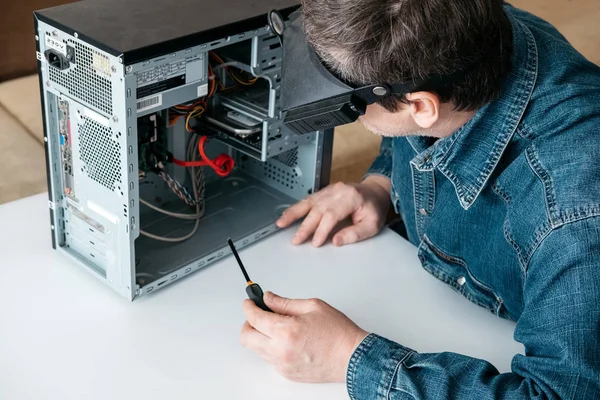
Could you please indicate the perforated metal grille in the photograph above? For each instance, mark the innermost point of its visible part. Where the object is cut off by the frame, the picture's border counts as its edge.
(88, 79)
(289, 158)
(282, 175)
(100, 154)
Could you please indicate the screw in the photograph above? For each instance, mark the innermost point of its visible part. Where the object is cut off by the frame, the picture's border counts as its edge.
(129, 68)
(37, 38)
(46, 139)
(48, 83)
(115, 119)
(76, 35)
(120, 60)
(54, 33)
(52, 227)
(113, 69)
(137, 292)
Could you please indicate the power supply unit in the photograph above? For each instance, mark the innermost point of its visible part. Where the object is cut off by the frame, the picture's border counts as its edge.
(164, 135)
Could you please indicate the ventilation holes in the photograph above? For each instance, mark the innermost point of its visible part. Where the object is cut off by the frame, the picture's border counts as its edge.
(284, 177)
(289, 158)
(89, 79)
(100, 154)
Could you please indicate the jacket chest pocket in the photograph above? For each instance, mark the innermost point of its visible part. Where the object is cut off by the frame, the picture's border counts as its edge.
(455, 272)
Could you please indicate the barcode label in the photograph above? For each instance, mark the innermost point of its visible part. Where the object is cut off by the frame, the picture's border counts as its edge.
(149, 102)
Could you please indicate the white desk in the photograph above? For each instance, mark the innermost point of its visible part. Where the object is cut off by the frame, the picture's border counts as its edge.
(63, 335)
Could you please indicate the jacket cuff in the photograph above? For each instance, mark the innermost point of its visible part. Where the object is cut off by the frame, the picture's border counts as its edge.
(373, 366)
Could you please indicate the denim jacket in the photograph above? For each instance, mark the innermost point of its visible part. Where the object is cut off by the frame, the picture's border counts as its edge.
(506, 211)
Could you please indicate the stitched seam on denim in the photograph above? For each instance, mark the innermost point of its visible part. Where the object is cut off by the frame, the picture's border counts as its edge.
(450, 280)
(431, 202)
(458, 187)
(445, 278)
(391, 373)
(496, 188)
(395, 374)
(525, 131)
(460, 262)
(416, 199)
(531, 71)
(546, 180)
(539, 239)
(366, 344)
(573, 215)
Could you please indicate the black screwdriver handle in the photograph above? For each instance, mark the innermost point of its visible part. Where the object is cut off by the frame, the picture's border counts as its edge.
(255, 294)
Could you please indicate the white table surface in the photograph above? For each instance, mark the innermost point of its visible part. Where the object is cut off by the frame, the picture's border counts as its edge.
(63, 335)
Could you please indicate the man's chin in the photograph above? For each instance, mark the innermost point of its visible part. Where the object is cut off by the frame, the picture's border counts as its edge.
(373, 129)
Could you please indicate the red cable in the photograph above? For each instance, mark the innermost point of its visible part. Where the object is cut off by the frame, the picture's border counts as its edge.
(222, 165)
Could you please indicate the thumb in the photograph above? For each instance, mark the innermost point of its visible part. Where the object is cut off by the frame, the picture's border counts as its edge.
(284, 306)
(362, 230)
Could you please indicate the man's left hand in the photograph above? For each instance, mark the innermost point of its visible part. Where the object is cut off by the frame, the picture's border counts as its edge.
(306, 340)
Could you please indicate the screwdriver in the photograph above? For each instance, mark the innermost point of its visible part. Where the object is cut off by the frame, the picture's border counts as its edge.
(253, 290)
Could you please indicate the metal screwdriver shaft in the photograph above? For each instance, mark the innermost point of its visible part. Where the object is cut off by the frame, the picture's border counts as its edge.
(239, 261)
(253, 290)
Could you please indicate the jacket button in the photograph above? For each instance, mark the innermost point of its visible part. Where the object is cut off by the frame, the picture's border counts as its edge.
(423, 211)
(461, 280)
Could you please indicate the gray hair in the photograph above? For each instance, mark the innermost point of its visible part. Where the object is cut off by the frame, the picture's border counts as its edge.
(374, 41)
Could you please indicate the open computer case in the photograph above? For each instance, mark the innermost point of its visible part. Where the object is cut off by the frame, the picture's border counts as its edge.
(164, 135)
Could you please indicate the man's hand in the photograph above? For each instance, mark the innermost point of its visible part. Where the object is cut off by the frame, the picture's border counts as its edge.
(367, 203)
(306, 340)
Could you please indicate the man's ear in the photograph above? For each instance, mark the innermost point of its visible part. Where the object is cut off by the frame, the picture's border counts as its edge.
(424, 108)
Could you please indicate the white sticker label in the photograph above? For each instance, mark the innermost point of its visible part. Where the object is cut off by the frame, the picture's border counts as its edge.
(149, 102)
(96, 117)
(203, 90)
(57, 45)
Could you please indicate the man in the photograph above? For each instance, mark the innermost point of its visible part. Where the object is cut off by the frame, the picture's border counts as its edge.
(497, 179)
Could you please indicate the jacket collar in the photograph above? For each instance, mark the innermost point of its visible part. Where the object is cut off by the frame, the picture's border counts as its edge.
(469, 156)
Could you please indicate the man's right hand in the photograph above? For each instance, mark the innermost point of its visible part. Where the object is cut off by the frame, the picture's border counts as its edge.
(367, 203)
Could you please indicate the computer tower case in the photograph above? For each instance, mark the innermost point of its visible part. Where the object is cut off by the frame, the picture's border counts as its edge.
(164, 135)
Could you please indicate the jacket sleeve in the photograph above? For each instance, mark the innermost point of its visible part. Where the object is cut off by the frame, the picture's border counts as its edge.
(382, 165)
(559, 328)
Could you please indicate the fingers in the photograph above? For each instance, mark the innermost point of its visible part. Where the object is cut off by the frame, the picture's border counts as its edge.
(362, 230)
(327, 224)
(263, 321)
(285, 306)
(308, 226)
(294, 213)
(253, 340)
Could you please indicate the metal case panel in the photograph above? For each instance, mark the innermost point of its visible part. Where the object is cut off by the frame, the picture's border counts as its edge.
(91, 110)
(84, 107)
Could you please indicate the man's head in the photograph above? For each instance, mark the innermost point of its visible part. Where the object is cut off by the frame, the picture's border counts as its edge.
(371, 41)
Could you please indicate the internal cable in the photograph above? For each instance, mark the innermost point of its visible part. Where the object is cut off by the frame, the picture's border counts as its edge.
(198, 189)
(222, 164)
(170, 213)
